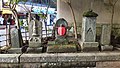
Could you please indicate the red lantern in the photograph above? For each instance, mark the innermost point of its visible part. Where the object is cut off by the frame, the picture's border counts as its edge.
(61, 31)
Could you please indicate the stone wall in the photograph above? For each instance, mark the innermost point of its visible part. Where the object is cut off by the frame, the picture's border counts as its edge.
(61, 60)
(115, 29)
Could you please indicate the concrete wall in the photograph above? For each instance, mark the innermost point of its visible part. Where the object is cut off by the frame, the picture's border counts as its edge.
(0, 5)
(80, 6)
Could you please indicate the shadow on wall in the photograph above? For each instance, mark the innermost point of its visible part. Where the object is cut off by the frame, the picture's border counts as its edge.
(115, 38)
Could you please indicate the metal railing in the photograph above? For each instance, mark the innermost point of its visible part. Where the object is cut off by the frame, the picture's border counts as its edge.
(25, 35)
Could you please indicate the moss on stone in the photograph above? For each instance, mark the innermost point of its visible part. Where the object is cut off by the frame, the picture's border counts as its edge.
(90, 13)
(59, 48)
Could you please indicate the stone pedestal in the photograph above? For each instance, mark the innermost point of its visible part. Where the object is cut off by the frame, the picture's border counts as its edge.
(34, 50)
(89, 32)
(106, 47)
(105, 38)
(56, 48)
(89, 46)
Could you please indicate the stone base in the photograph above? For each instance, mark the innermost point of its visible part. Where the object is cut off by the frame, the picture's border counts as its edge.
(70, 48)
(12, 51)
(107, 48)
(116, 49)
(34, 44)
(89, 46)
(34, 50)
(15, 51)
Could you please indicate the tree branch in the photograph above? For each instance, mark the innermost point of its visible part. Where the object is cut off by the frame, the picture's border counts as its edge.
(73, 15)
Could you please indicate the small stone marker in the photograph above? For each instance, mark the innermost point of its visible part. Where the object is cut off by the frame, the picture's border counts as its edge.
(105, 37)
(14, 38)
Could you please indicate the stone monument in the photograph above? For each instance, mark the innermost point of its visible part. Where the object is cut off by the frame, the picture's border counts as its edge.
(61, 43)
(105, 38)
(15, 38)
(35, 41)
(61, 34)
(89, 32)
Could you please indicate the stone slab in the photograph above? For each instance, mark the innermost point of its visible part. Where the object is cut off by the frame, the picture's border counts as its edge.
(89, 29)
(14, 51)
(76, 57)
(107, 48)
(57, 57)
(34, 50)
(89, 46)
(61, 48)
(5, 65)
(107, 56)
(58, 65)
(116, 49)
(15, 38)
(38, 58)
(108, 64)
(9, 58)
(105, 36)
(70, 57)
(97, 59)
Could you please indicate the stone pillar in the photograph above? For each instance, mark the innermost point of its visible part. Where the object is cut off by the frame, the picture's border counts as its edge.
(14, 38)
(89, 32)
(35, 40)
(105, 37)
(30, 30)
(89, 29)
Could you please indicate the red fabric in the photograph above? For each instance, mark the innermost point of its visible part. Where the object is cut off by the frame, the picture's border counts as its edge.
(61, 31)
(13, 22)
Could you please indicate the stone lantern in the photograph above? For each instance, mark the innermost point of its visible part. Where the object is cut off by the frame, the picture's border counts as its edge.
(89, 32)
(35, 41)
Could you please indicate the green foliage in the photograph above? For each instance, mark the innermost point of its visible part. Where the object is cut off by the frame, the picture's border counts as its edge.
(24, 0)
(90, 13)
(21, 23)
(43, 16)
(14, 1)
(26, 27)
(17, 1)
